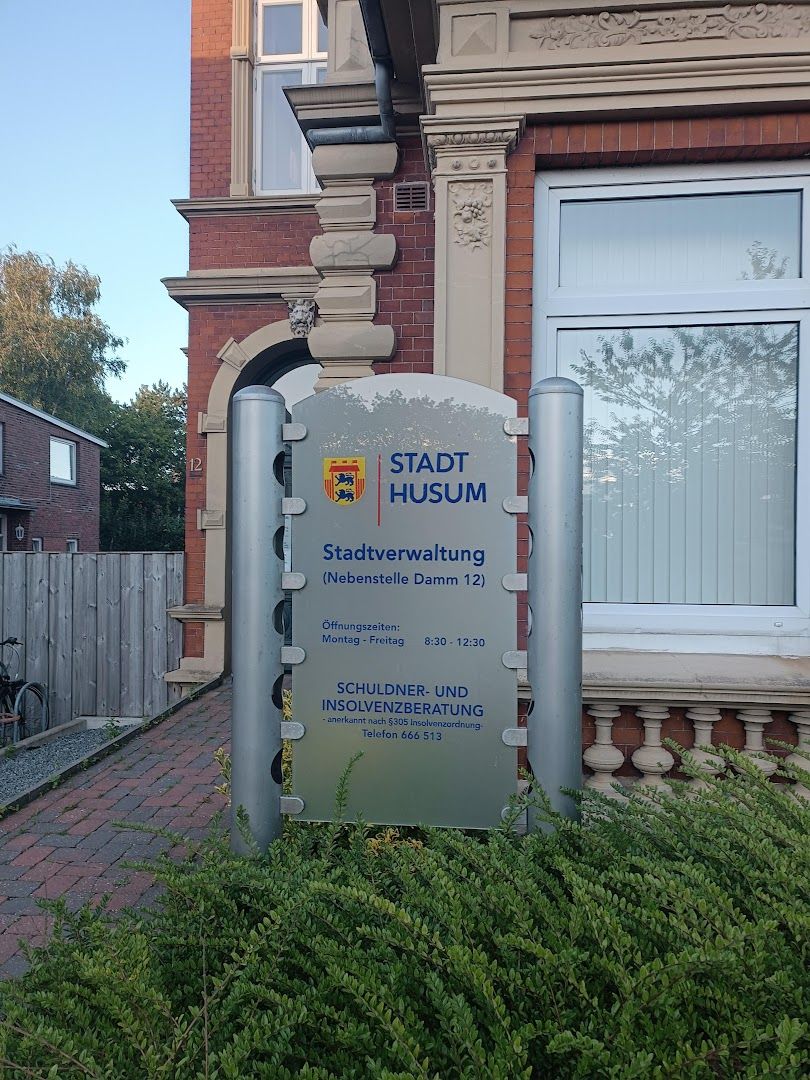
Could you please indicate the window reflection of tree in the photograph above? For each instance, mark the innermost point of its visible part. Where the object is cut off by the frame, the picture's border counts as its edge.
(690, 460)
(668, 397)
(690, 439)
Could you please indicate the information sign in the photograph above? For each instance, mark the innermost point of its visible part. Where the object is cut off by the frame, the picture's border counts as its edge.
(404, 617)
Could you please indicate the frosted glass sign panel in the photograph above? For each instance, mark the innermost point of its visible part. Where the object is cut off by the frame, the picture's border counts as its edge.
(679, 240)
(689, 462)
(404, 618)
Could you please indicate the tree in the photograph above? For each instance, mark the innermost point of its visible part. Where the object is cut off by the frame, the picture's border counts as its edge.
(55, 350)
(143, 472)
(56, 353)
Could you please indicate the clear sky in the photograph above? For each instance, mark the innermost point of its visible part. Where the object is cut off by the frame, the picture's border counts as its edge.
(93, 145)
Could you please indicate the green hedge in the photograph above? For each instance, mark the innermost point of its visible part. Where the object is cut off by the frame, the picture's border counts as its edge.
(661, 939)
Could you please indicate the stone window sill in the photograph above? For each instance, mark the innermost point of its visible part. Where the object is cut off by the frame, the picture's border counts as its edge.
(686, 678)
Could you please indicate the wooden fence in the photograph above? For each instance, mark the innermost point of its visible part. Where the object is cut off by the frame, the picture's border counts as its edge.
(94, 628)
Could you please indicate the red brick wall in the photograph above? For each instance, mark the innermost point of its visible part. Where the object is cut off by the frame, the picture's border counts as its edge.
(405, 300)
(61, 511)
(405, 293)
(210, 98)
(251, 241)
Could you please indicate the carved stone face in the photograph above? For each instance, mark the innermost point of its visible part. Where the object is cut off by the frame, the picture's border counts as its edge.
(302, 317)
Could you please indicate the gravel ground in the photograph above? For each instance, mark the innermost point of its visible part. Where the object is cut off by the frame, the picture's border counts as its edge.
(25, 769)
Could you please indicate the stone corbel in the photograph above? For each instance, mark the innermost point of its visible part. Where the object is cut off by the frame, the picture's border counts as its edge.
(468, 162)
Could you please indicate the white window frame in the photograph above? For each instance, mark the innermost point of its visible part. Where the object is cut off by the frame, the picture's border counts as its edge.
(2, 448)
(36, 543)
(308, 184)
(309, 33)
(308, 62)
(684, 627)
(72, 545)
(73, 461)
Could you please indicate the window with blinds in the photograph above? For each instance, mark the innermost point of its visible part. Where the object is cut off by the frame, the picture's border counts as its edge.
(677, 302)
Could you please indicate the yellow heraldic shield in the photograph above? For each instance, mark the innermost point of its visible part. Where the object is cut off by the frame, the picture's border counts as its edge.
(344, 479)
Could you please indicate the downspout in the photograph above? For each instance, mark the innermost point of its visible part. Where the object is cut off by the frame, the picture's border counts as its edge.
(383, 73)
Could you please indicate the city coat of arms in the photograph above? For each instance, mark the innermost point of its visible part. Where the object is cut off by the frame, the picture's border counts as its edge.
(344, 479)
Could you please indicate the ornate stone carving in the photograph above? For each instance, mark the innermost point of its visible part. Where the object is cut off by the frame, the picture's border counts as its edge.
(606, 28)
(472, 218)
(489, 137)
(302, 317)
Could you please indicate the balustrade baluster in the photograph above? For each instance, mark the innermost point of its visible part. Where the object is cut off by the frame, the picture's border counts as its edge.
(652, 759)
(703, 718)
(603, 757)
(802, 721)
(755, 721)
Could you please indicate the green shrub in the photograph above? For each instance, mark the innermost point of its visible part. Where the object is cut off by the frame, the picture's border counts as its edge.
(664, 938)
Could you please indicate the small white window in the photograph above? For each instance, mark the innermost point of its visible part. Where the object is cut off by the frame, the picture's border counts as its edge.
(2, 448)
(72, 546)
(291, 38)
(36, 543)
(63, 461)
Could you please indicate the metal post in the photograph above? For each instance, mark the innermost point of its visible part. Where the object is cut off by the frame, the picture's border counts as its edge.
(258, 416)
(555, 590)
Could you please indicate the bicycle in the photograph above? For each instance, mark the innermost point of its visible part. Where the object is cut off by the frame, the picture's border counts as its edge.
(23, 705)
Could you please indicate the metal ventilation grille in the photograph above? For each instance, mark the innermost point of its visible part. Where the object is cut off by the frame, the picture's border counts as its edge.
(411, 197)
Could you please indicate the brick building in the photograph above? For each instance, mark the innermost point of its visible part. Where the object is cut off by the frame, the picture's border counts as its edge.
(615, 193)
(49, 482)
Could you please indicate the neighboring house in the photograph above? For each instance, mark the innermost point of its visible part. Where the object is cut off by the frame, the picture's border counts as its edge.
(49, 481)
(619, 196)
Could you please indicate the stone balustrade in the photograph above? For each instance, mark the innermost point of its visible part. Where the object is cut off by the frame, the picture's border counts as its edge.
(627, 747)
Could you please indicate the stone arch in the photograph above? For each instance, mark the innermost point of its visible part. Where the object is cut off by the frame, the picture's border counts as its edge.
(272, 350)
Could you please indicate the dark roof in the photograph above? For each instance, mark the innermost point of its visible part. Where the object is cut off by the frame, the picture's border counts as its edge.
(52, 419)
(8, 502)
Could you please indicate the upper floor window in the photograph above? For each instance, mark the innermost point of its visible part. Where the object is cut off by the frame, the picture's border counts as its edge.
(63, 461)
(290, 51)
(2, 448)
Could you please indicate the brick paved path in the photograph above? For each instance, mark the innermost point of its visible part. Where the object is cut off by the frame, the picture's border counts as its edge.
(65, 843)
